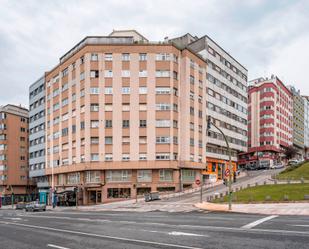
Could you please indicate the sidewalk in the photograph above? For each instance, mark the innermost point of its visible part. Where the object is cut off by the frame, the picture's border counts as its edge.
(297, 208)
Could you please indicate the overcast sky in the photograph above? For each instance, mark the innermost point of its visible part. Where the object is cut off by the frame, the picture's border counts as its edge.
(267, 37)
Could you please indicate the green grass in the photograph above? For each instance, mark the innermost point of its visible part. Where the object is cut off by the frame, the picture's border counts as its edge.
(258, 194)
(295, 172)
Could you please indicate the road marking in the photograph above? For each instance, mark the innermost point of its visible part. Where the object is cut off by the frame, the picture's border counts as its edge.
(55, 246)
(102, 236)
(300, 225)
(258, 222)
(186, 234)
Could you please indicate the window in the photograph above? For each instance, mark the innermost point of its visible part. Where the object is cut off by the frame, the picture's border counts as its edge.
(125, 123)
(108, 73)
(93, 176)
(94, 90)
(108, 140)
(94, 157)
(94, 57)
(82, 76)
(108, 123)
(73, 178)
(163, 107)
(125, 90)
(108, 157)
(143, 123)
(125, 157)
(118, 175)
(142, 140)
(162, 57)
(82, 93)
(142, 73)
(94, 74)
(163, 123)
(142, 107)
(142, 57)
(126, 107)
(94, 124)
(108, 57)
(166, 175)
(82, 125)
(143, 90)
(65, 132)
(125, 57)
(162, 73)
(94, 107)
(125, 140)
(163, 90)
(108, 107)
(142, 156)
(191, 79)
(144, 175)
(94, 140)
(108, 90)
(162, 140)
(125, 73)
(162, 156)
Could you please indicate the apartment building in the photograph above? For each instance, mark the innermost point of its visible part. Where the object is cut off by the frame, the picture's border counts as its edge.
(37, 138)
(14, 152)
(306, 127)
(270, 123)
(125, 116)
(226, 102)
(298, 122)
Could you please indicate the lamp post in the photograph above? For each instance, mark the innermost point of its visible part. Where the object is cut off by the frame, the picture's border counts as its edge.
(209, 124)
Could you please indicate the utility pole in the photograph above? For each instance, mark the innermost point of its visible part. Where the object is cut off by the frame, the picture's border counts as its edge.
(209, 123)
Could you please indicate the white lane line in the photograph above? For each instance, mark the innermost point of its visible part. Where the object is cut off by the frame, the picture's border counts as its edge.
(300, 225)
(103, 236)
(55, 246)
(258, 222)
(175, 233)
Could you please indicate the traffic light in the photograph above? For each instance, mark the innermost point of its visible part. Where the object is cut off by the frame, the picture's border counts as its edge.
(208, 122)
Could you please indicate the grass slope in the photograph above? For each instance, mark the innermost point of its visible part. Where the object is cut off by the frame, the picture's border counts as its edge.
(295, 192)
(295, 172)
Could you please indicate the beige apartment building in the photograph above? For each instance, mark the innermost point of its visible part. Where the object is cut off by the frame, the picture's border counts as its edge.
(13, 152)
(125, 116)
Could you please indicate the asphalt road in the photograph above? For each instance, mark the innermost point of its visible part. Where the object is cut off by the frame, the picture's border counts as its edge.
(133, 230)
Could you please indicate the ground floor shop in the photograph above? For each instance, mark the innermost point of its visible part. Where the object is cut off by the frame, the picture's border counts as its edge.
(102, 186)
(216, 168)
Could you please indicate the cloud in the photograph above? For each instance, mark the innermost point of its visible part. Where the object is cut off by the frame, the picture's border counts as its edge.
(268, 37)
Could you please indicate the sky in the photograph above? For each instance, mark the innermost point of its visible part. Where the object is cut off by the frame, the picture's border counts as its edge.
(267, 37)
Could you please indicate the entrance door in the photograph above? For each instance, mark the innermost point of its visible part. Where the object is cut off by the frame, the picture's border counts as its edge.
(99, 196)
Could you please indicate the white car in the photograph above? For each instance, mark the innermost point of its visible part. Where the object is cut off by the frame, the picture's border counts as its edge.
(277, 166)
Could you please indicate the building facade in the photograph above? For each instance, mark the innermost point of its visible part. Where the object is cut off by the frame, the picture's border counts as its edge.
(125, 116)
(226, 102)
(37, 138)
(306, 127)
(298, 122)
(14, 178)
(270, 123)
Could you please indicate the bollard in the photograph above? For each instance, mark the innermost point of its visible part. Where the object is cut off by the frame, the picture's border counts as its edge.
(264, 182)
(248, 185)
(240, 187)
(285, 197)
(275, 182)
(256, 184)
(302, 180)
(267, 198)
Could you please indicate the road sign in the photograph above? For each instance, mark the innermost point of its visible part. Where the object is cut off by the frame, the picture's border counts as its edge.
(197, 182)
(227, 172)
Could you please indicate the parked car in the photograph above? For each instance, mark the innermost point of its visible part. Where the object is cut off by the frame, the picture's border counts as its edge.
(277, 166)
(35, 206)
(152, 196)
(21, 205)
(293, 162)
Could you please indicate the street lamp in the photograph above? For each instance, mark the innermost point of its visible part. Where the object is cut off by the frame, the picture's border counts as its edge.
(209, 124)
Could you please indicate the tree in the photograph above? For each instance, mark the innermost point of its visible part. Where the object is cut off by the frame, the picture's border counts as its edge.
(290, 152)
